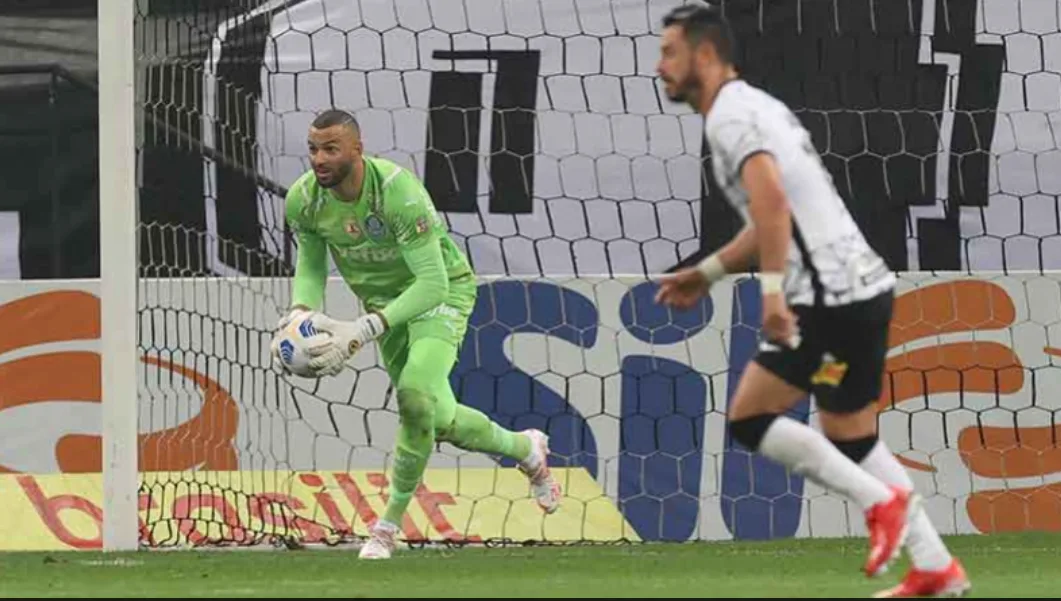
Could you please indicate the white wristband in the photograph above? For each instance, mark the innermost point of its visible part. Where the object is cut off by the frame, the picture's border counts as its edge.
(772, 283)
(375, 321)
(712, 268)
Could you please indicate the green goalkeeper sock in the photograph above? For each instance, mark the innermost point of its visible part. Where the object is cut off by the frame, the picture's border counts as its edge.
(416, 440)
(473, 431)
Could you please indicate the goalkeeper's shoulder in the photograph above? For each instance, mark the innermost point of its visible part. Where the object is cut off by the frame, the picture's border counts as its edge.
(386, 168)
(398, 183)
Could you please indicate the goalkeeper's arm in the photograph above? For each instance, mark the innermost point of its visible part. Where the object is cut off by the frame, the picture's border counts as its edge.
(429, 289)
(311, 272)
(311, 275)
(407, 209)
(311, 265)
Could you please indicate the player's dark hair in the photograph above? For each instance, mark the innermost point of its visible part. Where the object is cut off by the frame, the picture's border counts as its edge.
(332, 117)
(699, 22)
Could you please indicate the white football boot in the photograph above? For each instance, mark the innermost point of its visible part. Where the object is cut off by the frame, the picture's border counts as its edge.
(383, 540)
(545, 489)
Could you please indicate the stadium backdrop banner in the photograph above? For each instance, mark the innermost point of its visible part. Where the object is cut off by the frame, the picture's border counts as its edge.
(633, 397)
(935, 120)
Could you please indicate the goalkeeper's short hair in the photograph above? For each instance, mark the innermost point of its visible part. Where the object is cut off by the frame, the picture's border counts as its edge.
(332, 117)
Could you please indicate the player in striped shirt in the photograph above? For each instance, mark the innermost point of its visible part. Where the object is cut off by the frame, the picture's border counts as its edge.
(827, 301)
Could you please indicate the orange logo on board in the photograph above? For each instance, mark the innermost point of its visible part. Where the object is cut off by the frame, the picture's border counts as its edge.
(980, 366)
(205, 440)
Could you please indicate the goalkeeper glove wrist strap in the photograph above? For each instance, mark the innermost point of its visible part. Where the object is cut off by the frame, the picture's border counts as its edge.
(369, 327)
(382, 323)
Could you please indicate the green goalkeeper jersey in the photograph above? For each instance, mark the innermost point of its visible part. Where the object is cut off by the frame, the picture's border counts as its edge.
(390, 246)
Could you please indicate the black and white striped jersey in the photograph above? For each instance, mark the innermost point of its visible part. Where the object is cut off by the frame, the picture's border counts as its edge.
(829, 262)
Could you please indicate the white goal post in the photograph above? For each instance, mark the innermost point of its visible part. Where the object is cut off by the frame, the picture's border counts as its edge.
(118, 272)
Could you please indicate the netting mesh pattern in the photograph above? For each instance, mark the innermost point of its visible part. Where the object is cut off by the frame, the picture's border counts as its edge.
(634, 399)
(542, 134)
(937, 120)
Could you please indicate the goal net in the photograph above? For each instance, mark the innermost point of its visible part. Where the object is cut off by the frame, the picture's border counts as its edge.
(570, 180)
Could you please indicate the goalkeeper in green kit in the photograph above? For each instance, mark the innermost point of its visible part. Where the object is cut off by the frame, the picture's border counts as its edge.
(417, 289)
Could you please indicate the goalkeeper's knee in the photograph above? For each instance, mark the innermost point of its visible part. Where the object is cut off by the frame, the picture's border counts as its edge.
(421, 378)
(416, 410)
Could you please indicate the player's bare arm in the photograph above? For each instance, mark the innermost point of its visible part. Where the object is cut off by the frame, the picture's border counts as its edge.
(684, 288)
(772, 219)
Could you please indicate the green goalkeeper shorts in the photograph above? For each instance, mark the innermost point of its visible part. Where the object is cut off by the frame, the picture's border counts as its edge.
(447, 322)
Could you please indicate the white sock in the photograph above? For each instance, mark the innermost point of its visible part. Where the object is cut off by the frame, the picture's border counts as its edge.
(533, 460)
(926, 548)
(385, 525)
(806, 451)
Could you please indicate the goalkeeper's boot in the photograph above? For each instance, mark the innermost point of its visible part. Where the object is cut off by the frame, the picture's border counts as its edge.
(888, 524)
(546, 490)
(948, 582)
(383, 540)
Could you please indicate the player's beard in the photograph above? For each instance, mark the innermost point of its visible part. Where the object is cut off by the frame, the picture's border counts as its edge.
(686, 90)
(336, 175)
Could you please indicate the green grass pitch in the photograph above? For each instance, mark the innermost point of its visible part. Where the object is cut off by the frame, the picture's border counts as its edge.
(1011, 565)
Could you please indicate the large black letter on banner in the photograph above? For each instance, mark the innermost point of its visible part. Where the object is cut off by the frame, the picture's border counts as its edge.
(854, 76)
(451, 170)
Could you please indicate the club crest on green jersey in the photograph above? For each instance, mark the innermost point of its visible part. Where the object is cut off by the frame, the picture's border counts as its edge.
(352, 228)
(375, 226)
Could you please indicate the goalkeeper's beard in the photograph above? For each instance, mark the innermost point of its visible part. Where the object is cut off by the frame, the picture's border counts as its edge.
(335, 176)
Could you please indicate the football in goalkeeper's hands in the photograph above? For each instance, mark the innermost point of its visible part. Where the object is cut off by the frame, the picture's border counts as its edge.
(294, 343)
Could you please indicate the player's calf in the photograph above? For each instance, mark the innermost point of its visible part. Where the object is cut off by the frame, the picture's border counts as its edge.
(854, 434)
(807, 452)
(923, 544)
(472, 430)
(411, 453)
(412, 449)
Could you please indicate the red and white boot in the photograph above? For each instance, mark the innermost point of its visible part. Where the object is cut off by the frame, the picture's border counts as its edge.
(545, 489)
(948, 582)
(888, 524)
